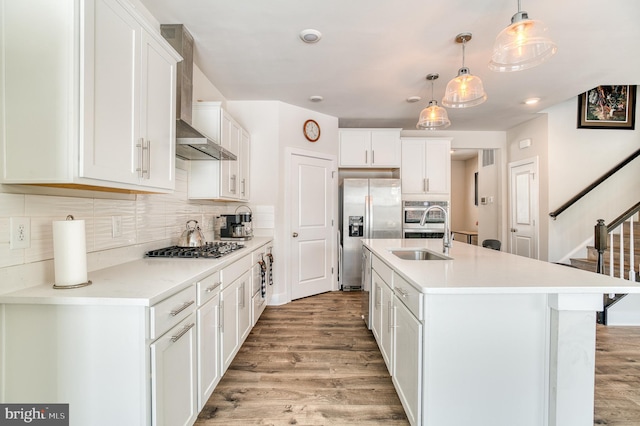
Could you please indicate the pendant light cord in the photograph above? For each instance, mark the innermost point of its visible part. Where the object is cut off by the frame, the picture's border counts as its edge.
(464, 42)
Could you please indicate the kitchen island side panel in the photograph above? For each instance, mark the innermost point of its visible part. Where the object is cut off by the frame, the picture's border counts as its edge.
(94, 358)
(486, 359)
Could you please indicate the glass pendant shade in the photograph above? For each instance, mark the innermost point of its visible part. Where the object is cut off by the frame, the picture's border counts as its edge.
(465, 90)
(523, 44)
(433, 117)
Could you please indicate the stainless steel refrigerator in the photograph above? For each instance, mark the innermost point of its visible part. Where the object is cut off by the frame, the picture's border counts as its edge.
(369, 208)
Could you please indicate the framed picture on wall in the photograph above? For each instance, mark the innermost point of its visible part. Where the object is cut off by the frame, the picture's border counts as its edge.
(607, 107)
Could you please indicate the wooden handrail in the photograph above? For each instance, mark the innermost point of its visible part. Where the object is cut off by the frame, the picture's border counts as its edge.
(588, 189)
(624, 216)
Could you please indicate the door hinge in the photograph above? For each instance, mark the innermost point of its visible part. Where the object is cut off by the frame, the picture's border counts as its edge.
(333, 174)
(331, 222)
(332, 270)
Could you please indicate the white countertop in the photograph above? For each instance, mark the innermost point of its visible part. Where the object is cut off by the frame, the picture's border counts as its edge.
(477, 270)
(142, 282)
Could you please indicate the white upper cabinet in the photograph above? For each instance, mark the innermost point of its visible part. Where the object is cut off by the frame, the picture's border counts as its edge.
(370, 148)
(223, 179)
(426, 166)
(97, 105)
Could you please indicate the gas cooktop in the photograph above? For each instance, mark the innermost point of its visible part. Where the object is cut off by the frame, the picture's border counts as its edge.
(212, 250)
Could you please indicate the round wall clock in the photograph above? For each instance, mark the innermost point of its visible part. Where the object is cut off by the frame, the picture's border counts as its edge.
(311, 130)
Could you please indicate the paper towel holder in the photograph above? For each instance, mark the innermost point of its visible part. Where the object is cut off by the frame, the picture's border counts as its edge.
(58, 287)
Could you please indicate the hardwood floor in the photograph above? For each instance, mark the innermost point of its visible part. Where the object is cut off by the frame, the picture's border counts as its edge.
(617, 393)
(313, 362)
(310, 362)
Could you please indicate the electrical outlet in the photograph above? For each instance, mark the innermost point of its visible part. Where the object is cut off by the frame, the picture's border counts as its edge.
(20, 230)
(116, 226)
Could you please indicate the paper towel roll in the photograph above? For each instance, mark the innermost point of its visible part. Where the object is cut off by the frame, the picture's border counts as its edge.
(69, 252)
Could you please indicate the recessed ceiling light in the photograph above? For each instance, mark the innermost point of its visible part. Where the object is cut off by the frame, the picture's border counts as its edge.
(316, 98)
(531, 101)
(310, 36)
(412, 99)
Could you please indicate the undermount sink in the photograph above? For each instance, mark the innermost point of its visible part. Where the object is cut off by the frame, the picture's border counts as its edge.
(419, 254)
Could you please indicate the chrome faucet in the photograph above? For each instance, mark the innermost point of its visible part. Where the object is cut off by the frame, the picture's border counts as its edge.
(446, 240)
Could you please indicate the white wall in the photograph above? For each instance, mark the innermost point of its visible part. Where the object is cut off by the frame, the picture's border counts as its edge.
(570, 159)
(276, 127)
(577, 157)
(537, 131)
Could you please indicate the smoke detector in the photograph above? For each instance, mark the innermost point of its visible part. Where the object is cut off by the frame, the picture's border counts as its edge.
(310, 36)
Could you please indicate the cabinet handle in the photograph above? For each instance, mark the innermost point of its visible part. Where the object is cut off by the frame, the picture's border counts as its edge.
(242, 287)
(233, 187)
(221, 314)
(182, 308)
(148, 170)
(244, 186)
(366, 157)
(182, 332)
(213, 287)
(140, 168)
(390, 316)
(373, 157)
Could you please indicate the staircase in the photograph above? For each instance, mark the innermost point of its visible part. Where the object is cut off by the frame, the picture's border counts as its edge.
(615, 252)
(590, 262)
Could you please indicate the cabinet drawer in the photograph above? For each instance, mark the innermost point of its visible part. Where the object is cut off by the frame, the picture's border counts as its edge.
(409, 296)
(208, 287)
(171, 311)
(258, 254)
(233, 271)
(383, 270)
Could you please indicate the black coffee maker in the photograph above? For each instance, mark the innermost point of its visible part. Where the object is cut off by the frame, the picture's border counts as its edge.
(236, 226)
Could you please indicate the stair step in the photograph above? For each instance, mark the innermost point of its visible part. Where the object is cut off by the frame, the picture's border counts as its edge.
(591, 266)
(592, 254)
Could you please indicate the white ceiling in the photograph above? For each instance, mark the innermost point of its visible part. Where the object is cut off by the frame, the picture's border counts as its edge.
(375, 53)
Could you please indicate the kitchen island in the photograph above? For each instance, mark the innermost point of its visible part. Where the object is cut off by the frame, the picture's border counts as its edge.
(486, 337)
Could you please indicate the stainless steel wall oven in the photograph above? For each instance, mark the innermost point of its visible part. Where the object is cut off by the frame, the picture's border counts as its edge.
(412, 212)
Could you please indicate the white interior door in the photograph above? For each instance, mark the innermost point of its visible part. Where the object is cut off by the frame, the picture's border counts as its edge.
(311, 239)
(523, 189)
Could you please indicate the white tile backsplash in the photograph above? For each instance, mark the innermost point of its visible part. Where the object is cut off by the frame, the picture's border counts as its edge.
(148, 221)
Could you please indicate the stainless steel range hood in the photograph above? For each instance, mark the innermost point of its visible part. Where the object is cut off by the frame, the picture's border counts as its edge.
(191, 144)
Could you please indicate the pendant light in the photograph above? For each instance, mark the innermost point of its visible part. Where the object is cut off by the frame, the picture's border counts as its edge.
(465, 90)
(433, 117)
(523, 44)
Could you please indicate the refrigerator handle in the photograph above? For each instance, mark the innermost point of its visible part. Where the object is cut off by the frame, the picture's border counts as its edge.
(366, 216)
(369, 216)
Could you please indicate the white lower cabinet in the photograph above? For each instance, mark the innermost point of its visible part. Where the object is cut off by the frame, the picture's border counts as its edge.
(230, 338)
(157, 364)
(259, 277)
(174, 376)
(382, 325)
(208, 327)
(407, 372)
(397, 326)
(235, 305)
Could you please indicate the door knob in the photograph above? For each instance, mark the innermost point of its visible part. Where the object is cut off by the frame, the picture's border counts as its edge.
(514, 230)
(295, 235)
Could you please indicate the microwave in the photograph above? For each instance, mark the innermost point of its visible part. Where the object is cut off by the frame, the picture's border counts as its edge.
(412, 212)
